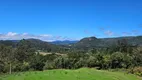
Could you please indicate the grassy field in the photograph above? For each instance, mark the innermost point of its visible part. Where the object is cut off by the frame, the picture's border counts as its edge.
(80, 74)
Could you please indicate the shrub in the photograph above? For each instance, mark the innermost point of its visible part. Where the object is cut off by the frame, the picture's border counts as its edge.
(137, 71)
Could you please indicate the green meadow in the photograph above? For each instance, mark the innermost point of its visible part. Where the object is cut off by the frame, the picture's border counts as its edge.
(61, 74)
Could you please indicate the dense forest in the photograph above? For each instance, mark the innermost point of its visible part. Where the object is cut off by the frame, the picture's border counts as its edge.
(25, 55)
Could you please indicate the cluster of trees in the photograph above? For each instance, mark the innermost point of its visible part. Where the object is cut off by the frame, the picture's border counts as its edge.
(25, 57)
(98, 59)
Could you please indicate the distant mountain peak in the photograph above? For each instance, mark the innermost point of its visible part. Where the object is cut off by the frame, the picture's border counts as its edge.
(92, 38)
(89, 39)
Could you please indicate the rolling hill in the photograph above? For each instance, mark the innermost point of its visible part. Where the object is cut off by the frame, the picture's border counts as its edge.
(93, 42)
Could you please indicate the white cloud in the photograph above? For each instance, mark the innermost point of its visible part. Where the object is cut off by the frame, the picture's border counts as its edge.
(135, 32)
(45, 35)
(108, 33)
(131, 33)
(17, 36)
(25, 34)
(11, 34)
(126, 33)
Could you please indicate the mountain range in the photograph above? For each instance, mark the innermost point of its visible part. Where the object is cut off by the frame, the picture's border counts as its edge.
(85, 43)
(65, 42)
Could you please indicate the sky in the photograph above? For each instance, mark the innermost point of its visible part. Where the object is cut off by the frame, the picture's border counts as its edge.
(51, 20)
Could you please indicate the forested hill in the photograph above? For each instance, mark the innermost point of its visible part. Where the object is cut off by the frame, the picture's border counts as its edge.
(93, 42)
(33, 43)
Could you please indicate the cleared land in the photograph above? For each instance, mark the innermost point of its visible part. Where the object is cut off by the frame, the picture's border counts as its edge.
(80, 74)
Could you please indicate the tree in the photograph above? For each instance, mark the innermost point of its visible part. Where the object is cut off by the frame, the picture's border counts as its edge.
(116, 60)
(7, 56)
(1, 66)
(37, 62)
(92, 61)
(80, 63)
(106, 61)
(137, 56)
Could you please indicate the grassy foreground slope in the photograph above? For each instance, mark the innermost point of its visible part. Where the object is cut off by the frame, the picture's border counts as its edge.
(80, 74)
